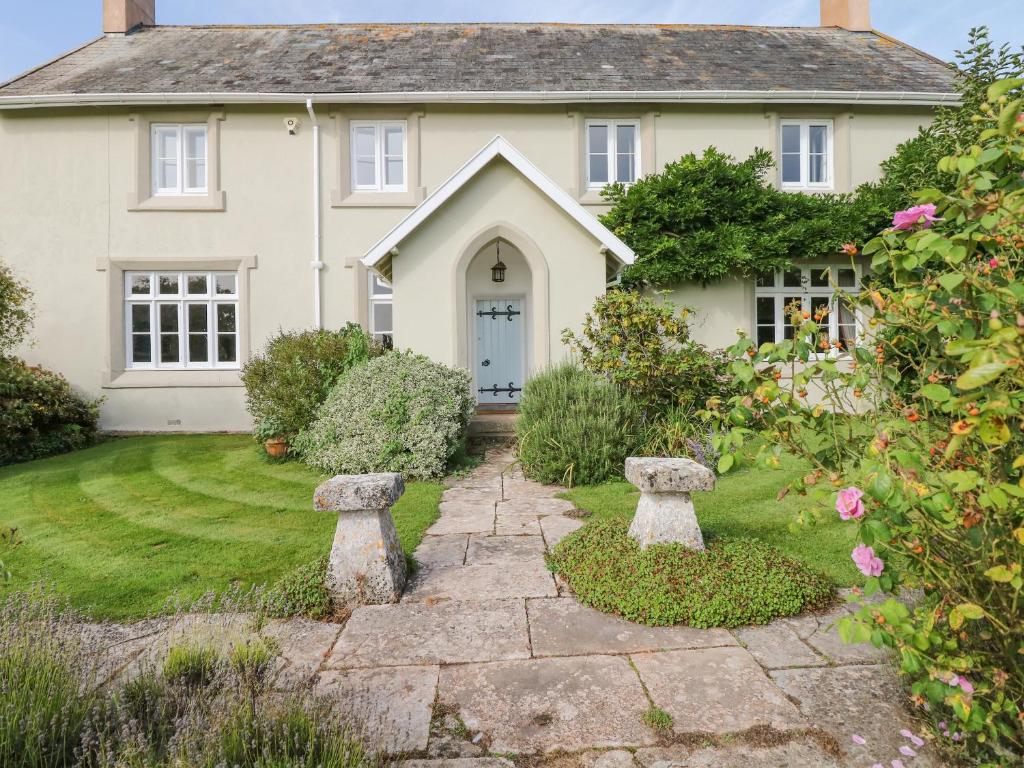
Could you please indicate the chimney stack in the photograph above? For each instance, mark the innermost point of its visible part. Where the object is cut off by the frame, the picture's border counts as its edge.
(854, 15)
(122, 16)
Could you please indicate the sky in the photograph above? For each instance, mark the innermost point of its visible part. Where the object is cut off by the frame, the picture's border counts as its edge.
(32, 32)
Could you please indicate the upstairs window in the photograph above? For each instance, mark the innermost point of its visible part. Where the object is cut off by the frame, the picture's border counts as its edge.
(814, 289)
(179, 159)
(181, 319)
(613, 152)
(381, 305)
(378, 155)
(806, 154)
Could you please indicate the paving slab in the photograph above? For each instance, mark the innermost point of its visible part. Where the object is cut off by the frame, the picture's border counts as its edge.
(504, 549)
(866, 700)
(304, 645)
(715, 690)
(521, 505)
(557, 527)
(540, 705)
(561, 626)
(442, 633)
(465, 507)
(825, 639)
(439, 551)
(516, 525)
(476, 522)
(482, 582)
(114, 646)
(795, 754)
(777, 646)
(390, 709)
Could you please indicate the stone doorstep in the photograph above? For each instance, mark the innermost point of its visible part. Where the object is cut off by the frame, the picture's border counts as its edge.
(472, 583)
(542, 705)
(561, 626)
(715, 690)
(390, 708)
(441, 633)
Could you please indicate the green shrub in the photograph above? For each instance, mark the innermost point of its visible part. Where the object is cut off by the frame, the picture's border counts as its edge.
(398, 413)
(15, 310)
(645, 348)
(291, 378)
(732, 583)
(300, 592)
(574, 427)
(930, 474)
(40, 415)
(191, 664)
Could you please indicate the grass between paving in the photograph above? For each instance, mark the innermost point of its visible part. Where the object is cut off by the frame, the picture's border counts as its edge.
(744, 505)
(122, 527)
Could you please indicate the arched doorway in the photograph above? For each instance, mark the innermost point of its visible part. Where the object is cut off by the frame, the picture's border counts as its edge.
(500, 322)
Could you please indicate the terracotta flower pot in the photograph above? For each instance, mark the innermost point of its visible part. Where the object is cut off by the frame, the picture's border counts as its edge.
(277, 447)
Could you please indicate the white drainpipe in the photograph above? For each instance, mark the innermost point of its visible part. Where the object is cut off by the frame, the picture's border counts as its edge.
(316, 264)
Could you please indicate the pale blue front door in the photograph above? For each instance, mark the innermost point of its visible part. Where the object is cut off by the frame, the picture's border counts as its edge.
(499, 350)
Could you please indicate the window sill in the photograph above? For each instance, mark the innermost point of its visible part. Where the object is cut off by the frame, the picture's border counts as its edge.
(807, 190)
(361, 199)
(593, 197)
(139, 379)
(214, 201)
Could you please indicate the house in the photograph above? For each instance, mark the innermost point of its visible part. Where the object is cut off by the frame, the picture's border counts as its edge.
(176, 194)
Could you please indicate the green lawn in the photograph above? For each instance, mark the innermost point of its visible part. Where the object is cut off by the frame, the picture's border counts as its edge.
(744, 504)
(121, 527)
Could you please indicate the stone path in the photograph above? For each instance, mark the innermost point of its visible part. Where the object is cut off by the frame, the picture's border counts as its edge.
(487, 654)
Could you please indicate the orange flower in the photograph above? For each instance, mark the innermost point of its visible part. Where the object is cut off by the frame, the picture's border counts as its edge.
(962, 427)
(849, 249)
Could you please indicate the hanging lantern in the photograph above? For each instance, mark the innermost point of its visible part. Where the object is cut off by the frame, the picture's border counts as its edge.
(498, 270)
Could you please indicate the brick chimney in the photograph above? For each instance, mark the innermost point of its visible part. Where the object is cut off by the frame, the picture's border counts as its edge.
(854, 15)
(122, 16)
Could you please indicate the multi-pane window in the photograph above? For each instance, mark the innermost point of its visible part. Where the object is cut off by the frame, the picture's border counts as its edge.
(378, 154)
(613, 152)
(179, 159)
(816, 290)
(181, 319)
(381, 305)
(806, 153)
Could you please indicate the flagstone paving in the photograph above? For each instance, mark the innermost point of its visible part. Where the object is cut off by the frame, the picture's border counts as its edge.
(488, 655)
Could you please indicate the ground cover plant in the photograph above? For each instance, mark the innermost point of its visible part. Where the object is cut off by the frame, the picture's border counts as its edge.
(934, 485)
(198, 706)
(575, 427)
(744, 504)
(121, 527)
(287, 382)
(732, 583)
(397, 413)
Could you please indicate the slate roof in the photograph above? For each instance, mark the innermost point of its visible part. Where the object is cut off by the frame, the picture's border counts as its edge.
(465, 58)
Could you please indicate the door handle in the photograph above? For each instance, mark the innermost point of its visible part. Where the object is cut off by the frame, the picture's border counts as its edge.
(485, 363)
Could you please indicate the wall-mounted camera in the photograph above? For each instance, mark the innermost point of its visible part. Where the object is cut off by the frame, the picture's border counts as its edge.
(292, 124)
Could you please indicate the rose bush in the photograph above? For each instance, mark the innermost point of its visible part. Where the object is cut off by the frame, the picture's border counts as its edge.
(918, 441)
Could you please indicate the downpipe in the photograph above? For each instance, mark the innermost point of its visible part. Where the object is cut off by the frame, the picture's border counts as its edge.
(317, 264)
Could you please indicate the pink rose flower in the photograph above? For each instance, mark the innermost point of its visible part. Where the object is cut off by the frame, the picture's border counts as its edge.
(866, 561)
(965, 686)
(848, 503)
(919, 215)
(993, 263)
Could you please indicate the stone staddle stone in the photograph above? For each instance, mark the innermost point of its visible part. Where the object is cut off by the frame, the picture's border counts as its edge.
(665, 511)
(367, 565)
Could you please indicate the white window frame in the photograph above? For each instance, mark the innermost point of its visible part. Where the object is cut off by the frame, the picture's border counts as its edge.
(375, 299)
(180, 131)
(807, 293)
(380, 166)
(611, 151)
(182, 299)
(805, 152)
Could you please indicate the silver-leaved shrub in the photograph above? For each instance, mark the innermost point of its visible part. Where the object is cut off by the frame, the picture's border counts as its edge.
(397, 413)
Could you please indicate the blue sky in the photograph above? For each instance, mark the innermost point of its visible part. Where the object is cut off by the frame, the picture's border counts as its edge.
(34, 32)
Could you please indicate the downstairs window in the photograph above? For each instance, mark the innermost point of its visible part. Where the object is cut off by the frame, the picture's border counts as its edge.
(181, 320)
(813, 289)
